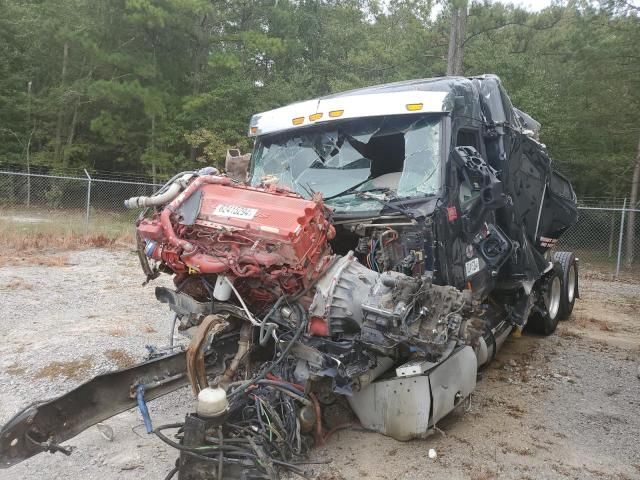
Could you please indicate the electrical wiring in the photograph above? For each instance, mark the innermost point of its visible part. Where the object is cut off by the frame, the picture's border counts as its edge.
(262, 432)
(261, 429)
(374, 262)
(244, 305)
(304, 320)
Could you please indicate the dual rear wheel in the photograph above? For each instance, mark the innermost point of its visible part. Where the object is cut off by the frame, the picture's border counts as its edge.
(557, 294)
(569, 264)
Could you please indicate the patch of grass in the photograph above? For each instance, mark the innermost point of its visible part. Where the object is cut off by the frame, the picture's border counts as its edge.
(117, 331)
(149, 329)
(516, 411)
(71, 369)
(35, 259)
(121, 358)
(17, 284)
(15, 369)
(23, 242)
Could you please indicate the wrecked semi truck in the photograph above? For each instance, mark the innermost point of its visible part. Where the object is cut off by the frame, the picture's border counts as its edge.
(380, 248)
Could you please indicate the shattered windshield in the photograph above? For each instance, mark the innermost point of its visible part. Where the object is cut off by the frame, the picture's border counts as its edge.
(355, 163)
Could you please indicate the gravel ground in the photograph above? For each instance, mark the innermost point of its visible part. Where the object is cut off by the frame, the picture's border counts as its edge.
(564, 406)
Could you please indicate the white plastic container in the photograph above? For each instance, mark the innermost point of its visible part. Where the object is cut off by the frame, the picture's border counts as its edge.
(212, 402)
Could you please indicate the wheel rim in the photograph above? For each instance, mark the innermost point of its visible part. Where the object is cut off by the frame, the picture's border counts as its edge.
(552, 297)
(571, 280)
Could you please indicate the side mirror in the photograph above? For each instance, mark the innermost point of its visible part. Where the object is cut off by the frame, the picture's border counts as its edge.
(479, 181)
(474, 166)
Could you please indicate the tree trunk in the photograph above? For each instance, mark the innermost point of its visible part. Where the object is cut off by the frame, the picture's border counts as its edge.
(70, 138)
(63, 76)
(200, 53)
(153, 147)
(29, 85)
(462, 34)
(631, 224)
(457, 37)
(453, 38)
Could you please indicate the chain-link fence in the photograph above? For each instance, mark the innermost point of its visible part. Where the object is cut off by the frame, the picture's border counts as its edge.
(606, 238)
(68, 203)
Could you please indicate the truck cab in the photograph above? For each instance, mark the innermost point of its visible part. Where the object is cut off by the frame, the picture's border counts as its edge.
(441, 176)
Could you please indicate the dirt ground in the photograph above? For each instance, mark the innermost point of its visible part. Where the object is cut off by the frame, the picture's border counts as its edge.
(565, 406)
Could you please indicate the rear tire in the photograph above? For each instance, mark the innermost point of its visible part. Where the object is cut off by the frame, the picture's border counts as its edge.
(570, 282)
(544, 319)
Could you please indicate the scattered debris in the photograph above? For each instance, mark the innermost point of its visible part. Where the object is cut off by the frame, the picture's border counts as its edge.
(106, 431)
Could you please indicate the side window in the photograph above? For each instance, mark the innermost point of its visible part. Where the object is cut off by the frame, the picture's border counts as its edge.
(468, 138)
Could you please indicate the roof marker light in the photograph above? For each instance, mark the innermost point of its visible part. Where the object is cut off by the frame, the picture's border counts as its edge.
(336, 113)
(297, 120)
(414, 107)
(315, 116)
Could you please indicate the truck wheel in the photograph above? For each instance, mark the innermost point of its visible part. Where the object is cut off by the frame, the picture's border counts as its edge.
(545, 319)
(570, 282)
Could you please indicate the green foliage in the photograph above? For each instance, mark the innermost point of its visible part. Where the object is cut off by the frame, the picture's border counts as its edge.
(162, 85)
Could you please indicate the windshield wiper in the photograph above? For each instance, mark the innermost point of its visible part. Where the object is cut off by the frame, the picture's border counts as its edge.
(354, 189)
(392, 206)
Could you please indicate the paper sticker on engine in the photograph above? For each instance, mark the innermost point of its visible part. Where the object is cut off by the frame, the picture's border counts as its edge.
(471, 267)
(235, 211)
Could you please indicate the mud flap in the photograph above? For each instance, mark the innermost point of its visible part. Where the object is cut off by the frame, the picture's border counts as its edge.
(408, 407)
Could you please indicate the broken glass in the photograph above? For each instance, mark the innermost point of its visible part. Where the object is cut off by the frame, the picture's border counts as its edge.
(397, 156)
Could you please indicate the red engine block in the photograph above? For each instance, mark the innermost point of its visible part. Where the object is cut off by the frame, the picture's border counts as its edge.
(272, 238)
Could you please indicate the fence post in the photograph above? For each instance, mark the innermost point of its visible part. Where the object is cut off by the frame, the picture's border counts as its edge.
(28, 188)
(88, 200)
(624, 206)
